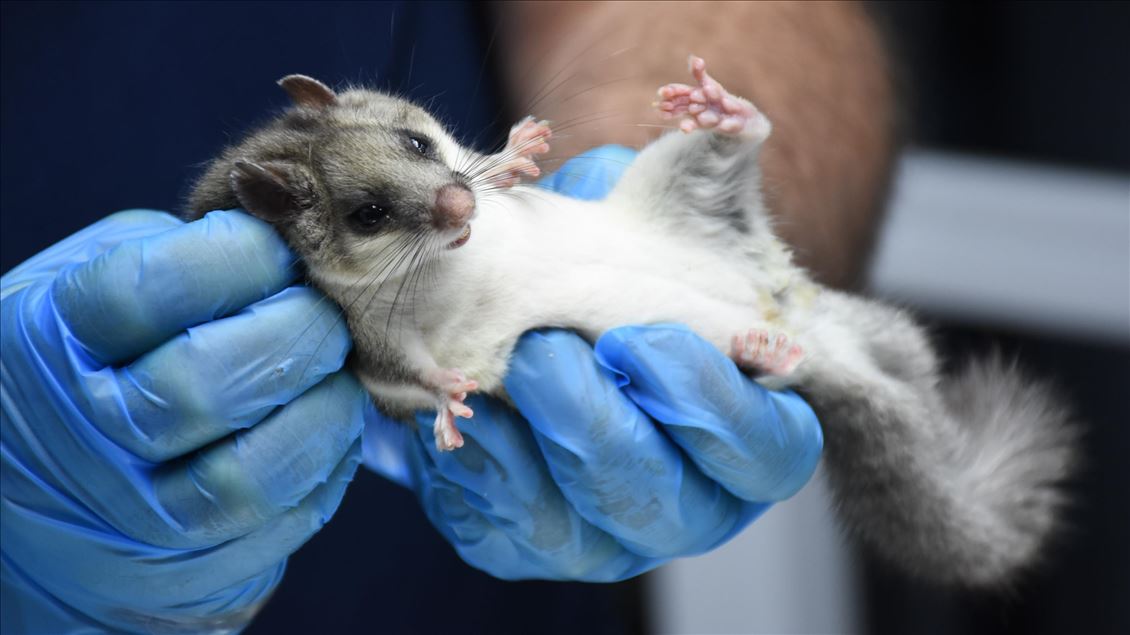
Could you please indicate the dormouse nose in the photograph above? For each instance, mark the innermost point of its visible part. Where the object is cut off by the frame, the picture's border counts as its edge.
(454, 206)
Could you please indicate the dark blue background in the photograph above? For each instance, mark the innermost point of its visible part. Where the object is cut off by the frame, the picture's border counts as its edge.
(115, 105)
(109, 106)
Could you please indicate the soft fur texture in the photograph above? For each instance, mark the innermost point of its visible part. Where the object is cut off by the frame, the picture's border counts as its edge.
(955, 480)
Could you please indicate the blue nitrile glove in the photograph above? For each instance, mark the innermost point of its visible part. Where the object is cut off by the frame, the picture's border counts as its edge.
(174, 425)
(650, 446)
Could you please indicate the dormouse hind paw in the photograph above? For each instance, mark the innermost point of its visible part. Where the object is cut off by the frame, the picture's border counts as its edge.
(771, 357)
(709, 106)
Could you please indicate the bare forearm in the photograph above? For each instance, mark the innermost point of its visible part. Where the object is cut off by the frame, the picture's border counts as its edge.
(816, 69)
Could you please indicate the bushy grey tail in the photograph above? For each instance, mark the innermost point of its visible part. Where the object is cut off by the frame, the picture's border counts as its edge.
(1018, 452)
(961, 486)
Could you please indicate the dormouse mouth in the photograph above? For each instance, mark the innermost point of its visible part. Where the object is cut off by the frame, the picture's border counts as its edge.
(462, 240)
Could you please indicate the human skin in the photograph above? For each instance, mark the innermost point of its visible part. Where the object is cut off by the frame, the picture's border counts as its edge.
(818, 71)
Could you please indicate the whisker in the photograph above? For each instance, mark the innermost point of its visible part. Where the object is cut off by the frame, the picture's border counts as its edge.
(382, 263)
(479, 77)
(415, 253)
(325, 303)
(409, 248)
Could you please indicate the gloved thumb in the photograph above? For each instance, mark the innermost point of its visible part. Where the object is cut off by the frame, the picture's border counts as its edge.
(760, 445)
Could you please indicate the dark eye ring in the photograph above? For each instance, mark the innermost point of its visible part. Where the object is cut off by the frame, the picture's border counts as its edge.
(370, 215)
(421, 145)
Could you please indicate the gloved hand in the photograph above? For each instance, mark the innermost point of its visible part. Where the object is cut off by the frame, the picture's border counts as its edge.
(174, 425)
(649, 446)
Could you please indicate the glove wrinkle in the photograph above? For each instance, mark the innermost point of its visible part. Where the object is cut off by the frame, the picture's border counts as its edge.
(761, 445)
(127, 504)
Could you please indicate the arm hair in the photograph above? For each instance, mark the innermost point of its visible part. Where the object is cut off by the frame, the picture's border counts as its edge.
(818, 70)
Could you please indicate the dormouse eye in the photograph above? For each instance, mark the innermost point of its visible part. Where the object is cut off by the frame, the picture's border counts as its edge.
(422, 146)
(370, 216)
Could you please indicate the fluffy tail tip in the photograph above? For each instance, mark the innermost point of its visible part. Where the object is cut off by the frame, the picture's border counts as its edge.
(1020, 451)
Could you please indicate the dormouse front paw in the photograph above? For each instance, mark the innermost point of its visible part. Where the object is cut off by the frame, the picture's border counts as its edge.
(528, 138)
(452, 387)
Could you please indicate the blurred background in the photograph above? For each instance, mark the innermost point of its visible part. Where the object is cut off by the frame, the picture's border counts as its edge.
(1009, 226)
(1028, 214)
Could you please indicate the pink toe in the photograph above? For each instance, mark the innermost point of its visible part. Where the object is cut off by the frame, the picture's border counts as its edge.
(731, 124)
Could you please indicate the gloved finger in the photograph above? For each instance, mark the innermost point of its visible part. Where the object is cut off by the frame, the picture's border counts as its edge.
(761, 445)
(386, 446)
(495, 501)
(239, 484)
(243, 570)
(610, 460)
(87, 243)
(224, 375)
(142, 292)
(591, 174)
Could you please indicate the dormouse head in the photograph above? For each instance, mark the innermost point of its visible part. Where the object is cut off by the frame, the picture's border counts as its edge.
(355, 181)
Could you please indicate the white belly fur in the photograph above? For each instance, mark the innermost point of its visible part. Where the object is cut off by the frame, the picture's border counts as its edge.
(542, 260)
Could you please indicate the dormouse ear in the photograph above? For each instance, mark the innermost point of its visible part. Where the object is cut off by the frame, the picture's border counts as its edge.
(308, 92)
(271, 190)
